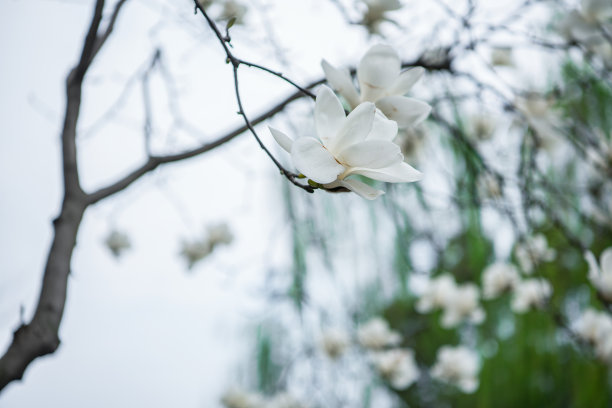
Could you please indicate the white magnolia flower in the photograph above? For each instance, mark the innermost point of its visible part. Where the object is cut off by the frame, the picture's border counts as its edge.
(482, 126)
(357, 144)
(532, 252)
(194, 251)
(375, 334)
(596, 328)
(117, 242)
(284, 400)
(541, 118)
(334, 342)
(488, 186)
(219, 234)
(381, 82)
(460, 305)
(502, 56)
(531, 294)
(498, 278)
(375, 13)
(600, 274)
(233, 9)
(436, 292)
(411, 142)
(237, 398)
(584, 25)
(458, 366)
(593, 326)
(397, 366)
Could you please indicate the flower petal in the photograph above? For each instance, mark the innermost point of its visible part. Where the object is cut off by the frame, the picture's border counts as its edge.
(405, 81)
(405, 111)
(329, 115)
(382, 128)
(314, 161)
(282, 139)
(377, 70)
(356, 127)
(606, 261)
(397, 173)
(358, 187)
(341, 82)
(372, 154)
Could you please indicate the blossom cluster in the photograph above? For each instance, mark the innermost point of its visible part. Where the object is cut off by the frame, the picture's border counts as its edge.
(362, 142)
(196, 250)
(238, 398)
(397, 365)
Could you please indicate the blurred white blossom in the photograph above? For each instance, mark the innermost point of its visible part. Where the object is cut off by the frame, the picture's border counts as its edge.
(238, 398)
(334, 342)
(233, 9)
(375, 13)
(436, 292)
(532, 252)
(498, 278)
(376, 334)
(397, 366)
(502, 56)
(595, 327)
(198, 249)
(284, 400)
(585, 24)
(531, 294)
(117, 242)
(458, 366)
(600, 274)
(411, 141)
(381, 82)
(357, 144)
(462, 305)
(488, 186)
(542, 119)
(482, 126)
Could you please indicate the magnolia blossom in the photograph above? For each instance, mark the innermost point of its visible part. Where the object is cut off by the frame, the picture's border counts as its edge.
(219, 234)
(334, 342)
(381, 82)
(488, 186)
(461, 305)
(237, 398)
(531, 294)
(436, 292)
(397, 366)
(194, 251)
(584, 24)
(600, 274)
(502, 56)
(117, 242)
(541, 118)
(375, 334)
(458, 366)
(411, 142)
(596, 328)
(498, 278)
(376, 13)
(284, 400)
(357, 144)
(233, 9)
(532, 252)
(482, 126)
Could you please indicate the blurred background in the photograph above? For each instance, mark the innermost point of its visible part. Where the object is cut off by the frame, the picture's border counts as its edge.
(214, 282)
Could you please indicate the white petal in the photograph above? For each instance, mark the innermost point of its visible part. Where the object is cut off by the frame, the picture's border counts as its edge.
(378, 70)
(372, 154)
(356, 127)
(397, 173)
(405, 111)
(282, 139)
(341, 81)
(383, 128)
(329, 115)
(594, 271)
(365, 191)
(405, 81)
(606, 261)
(314, 161)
